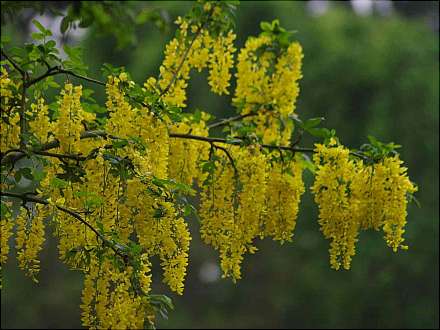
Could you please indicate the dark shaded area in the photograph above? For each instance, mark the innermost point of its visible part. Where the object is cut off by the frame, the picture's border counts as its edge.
(375, 75)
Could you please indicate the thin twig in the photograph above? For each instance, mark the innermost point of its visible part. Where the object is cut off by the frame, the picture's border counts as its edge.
(14, 64)
(176, 73)
(27, 198)
(235, 142)
(231, 160)
(58, 70)
(60, 156)
(22, 114)
(226, 121)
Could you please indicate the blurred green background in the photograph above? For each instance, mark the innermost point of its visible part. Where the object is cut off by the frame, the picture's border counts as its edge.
(369, 68)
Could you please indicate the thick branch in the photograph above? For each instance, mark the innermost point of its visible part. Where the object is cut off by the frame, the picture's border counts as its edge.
(15, 155)
(77, 216)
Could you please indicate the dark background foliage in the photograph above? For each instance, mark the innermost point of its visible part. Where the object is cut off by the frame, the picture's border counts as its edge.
(374, 73)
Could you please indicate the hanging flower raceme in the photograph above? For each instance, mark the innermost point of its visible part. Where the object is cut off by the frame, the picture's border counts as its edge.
(29, 239)
(10, 117)
(6, 227)
(385, 198)
(284, 189)
(196, 47)
(109, 299)
(267, 85)
(68, 127)
(221, 62)
(185, 154)
(338, 206)
(233, 206)
(218, 215)
(41, 126)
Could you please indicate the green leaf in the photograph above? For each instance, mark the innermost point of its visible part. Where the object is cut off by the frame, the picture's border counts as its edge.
(4, 210)
(59, 183)
(119, 143)
(42, 29)
(65, 24)
(266, 26)
(320, 132)
(312, 122)
(50, 44)
(412, 198)
(37, 36)
(23, 172)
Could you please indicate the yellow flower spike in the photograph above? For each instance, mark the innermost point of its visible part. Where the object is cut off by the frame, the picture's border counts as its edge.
(339, 215)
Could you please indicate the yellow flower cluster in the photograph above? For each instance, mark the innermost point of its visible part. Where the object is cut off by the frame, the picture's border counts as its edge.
(220, 62)
(139, 123)
(118, 199)
(5, 233)
(353, 196)
(69, 125)
(242, 203)
(284, 190)
(218, 215)
(267, 83)
(186, 154)
(9, 133)
(41, 125)
(386, 186)
(338, 206)
(108, 299)
(195, 48)
(30, 238)
(109, 200)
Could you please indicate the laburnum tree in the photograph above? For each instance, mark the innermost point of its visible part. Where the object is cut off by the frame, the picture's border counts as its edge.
(111, 181)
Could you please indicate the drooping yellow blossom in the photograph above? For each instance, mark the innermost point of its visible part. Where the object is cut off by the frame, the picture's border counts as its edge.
(41, 126)
(69, 124)
(284, 189)
(386, 186)
(217, 213)
(338, 206)
(6, 232)
(10, 132)
(108, 300)
(196, 48)
(267, 84)
(30, 238)
(162, 232)
(186, 154)
(6, 225)
(233, 207)
(220, 63)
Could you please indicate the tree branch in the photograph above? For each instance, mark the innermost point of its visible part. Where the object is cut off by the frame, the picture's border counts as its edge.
(77, 216)
(231, 160)
(196, 35)
(22, 114)
(15, 65)
(236, 142)
(226, 121)
(58, 70)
